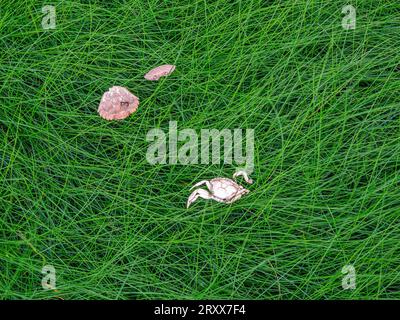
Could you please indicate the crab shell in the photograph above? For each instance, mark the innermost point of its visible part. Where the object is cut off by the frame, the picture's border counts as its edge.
(226, 189)
(158, 72)
(117, 103)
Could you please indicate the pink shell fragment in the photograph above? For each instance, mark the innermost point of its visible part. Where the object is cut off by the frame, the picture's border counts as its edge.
(117, 103)
(161, 71)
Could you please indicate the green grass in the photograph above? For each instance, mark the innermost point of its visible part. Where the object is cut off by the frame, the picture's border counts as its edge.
(77, 192)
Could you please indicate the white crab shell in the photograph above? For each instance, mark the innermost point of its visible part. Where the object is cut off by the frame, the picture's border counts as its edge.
(219, 189)
(224, 188)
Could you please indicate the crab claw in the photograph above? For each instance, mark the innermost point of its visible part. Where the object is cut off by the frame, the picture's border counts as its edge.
(244, 175)
(196, 194)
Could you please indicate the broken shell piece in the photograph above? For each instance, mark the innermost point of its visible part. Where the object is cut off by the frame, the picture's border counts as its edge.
(117, 103)
(161, 71)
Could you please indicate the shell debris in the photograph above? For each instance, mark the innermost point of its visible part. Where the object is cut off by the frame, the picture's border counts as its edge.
(158, 72)
(117, 103)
